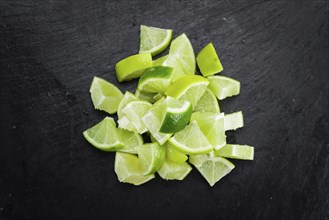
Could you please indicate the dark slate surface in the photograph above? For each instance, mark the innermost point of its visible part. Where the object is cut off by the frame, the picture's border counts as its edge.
(50, 50)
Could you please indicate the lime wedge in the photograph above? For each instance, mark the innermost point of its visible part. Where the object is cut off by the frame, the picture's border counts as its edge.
(160, 61)
(223, 86)
(235, 151)
(128, 169)
(173, 155)
(177, 115)
(181, 57)
(123, 121)
(154, 40)
(134, 111)
(208, 61)
(151, 157)
(130, 140)
(207, 103)
(233, 121)
(191, 140)
(104, 95)
(212, 126)
(104, 135)
(155, 79)
(211, 168)
(132, 67)
(174, 171)
(188, 88)
(158, 96)
(145, 96)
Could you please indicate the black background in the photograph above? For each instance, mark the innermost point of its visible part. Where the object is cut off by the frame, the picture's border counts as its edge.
(50, 50)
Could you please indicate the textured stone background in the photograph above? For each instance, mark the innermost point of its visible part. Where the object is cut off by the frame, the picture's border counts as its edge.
(50, 50)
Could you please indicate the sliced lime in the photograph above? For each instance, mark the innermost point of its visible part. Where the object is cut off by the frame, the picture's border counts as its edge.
(132, 67)
(191, 140)
(208, 61)
(123, 121)
(212, 126)
(160, 61)
(128, 169)
(151, 157)
(207, 103)
(130, 140)
(189, 88)
(155, 79)
(174, 171)
(211, 168)
(104, 135)
(223, 86)
(145, 96)
(233, 121)
(235, 151)
(105, 95)
(173, 155)
(154, 40)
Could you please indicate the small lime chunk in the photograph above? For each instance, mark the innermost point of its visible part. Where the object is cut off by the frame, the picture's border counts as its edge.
(208, 61)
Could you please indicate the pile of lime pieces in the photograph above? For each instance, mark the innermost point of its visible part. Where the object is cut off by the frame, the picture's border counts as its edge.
(177, 109)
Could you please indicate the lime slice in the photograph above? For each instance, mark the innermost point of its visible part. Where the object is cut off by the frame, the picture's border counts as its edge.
(233, 121)
(128, 169)
(145, 96)
(223, 86)
(191, 140)
(153, 119)
(151, 157)
(130, 141)
(105, 95)
(211, 168)
(132, 67)
(189, 88)
(160, 61)
(104, 135)
(174, 171)
(123, 121)
(212, 126)
(154, 40)
(155, 79)
(235, 151)
(177, 115)
(208, 61)
(134, 111)
(181, 57)
(207, 103)
(174, 155)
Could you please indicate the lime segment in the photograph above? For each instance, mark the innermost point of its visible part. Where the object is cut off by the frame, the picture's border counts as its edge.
(223, 87)
(132, 67)
(235, 151)
(174, 171)
(207, 103)
(208, 61)
(104, 135)
(123, 121)
(211, 168)
(173, 155)
(154, 40)
(128, 169)
(104, 95)
(130, 140)
(233, 121)
(160, 61)
(145, 96)
(151, 157)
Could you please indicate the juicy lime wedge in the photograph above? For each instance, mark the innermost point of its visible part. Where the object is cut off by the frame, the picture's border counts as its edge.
(154, 40)
(174, 171)
(211, 168)
(129, 170)
(155, 79)
(123, 121)
(177, 115)
(145, 96)
(191, 140)
(160, 61)
(151, 157)
(104, 135)
(132, 67)
(208, 61)
(188, 88)
(134, 111)
(104, 95)
(223, 86)
(173, 155)
(207, 103)
(181, 57)
(130, 140)
(212, 126)
(235, 151)
(233, 121)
